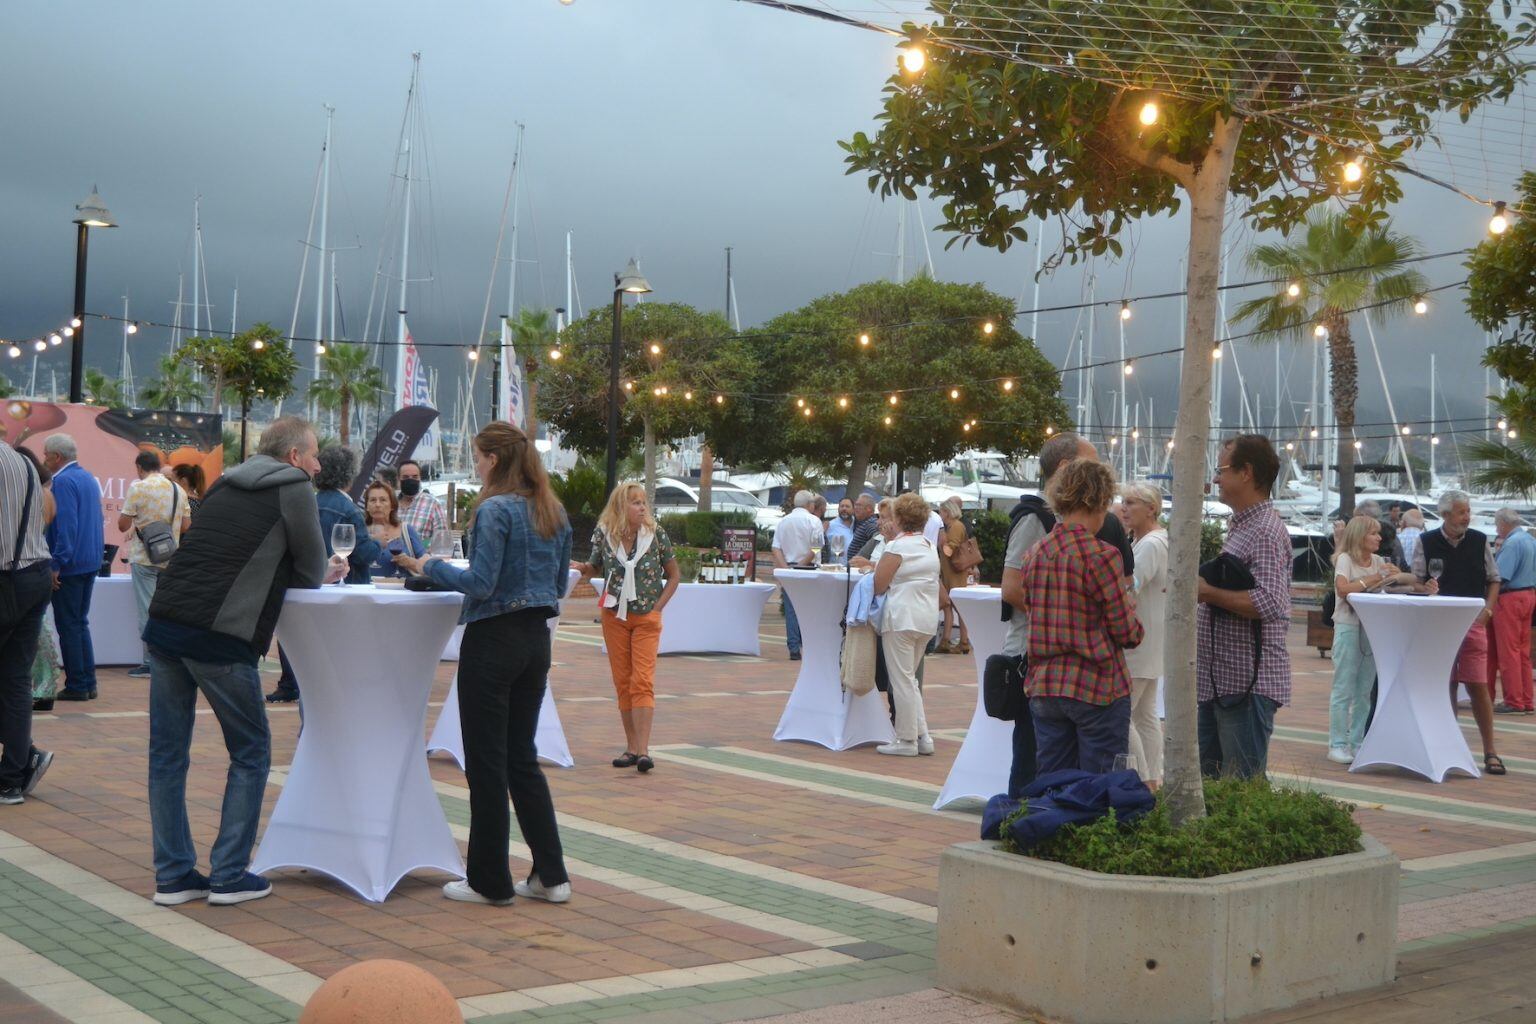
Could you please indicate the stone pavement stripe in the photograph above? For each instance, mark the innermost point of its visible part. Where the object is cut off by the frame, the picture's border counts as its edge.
(1447, 808)
(51, 986)
(149, 974)
(272, 973)
(861, 913)
(1470, 933)
(1319, 738)
(1456, 861)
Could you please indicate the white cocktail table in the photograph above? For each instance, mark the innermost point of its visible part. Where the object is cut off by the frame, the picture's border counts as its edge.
(358, 804)
(549, 739)
(818, 710)
(1415, 639)
(710, 618)
(986, 757)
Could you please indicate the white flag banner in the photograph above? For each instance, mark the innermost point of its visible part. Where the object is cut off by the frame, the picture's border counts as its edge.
(417, 390)
(510, 402)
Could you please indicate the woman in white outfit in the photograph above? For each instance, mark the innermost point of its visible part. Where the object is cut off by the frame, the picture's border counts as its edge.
(1140, 507)
(907, 576)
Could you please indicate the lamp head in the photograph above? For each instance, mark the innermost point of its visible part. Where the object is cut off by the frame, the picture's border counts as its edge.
(93, 213)
(632, 281)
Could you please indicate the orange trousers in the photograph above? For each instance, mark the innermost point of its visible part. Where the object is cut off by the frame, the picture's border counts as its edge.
(632, 643)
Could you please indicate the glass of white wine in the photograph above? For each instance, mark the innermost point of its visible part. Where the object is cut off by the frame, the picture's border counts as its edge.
(343, 541)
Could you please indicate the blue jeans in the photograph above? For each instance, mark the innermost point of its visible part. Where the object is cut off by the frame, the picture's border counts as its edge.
(1354, 674)
(23, 599)
(234, 693)
(72, 616)
(145, 579)
(791, 624)
(1075, 734)
(1234, 741)
(1022, 772)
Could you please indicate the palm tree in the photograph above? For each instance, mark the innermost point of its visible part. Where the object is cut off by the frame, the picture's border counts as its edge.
(103, 390)
(533, 334)
(347, 379)
(175, 385)
(1334, 270)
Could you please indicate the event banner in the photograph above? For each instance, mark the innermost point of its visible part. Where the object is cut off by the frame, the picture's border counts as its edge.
(108, 440)
(393, 444)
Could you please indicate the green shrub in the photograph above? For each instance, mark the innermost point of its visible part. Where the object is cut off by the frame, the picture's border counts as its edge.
(688, 560)
(991, 531)
(583, 491)
(1212, 535)
(1248, 825)
(701, 529)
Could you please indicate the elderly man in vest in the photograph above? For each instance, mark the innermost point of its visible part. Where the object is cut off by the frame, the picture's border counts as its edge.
(1468, 569)
(1510, 630)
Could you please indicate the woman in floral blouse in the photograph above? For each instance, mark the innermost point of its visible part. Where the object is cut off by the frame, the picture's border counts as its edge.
(634, 556)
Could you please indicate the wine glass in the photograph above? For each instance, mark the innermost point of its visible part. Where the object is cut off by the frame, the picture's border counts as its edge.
(1436, 567)
(441, 545)
(343, 540)
(839, 543)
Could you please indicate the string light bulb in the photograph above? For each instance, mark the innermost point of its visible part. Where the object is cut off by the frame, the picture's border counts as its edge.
(1314, 433)
(842, 403)
(1008, 384)
(319, 348)
(1125, 309)
(629, 385)
(1289, 446)
(800, 403)
(258, 344)
(1420, 305)
(1113, 441)
(656, 391)
(913, 59)
(1216, 351)
(1135, 435)
(14, 351)
(719, 399)
(68, 332)
(1293, 289)
(1149, 113)
(1353, 171)
(555, 355)
(1049, 430)
(75, 322)
(893, 399)
(1129, 369)
(1434, 439)
(954, 394)
(1499, 222)
(132, 329)
(1503, 424)
(1359, 445)
(1406, 430)
(807, 412)
(474, 355)
(965, 427)
(1513, 434)
(887, 421)
(54, 339)
(1320, 331)
(1170, 446)
(40, 345)
(655, 349)
(864, 340)
(988, 327)
(687, 396)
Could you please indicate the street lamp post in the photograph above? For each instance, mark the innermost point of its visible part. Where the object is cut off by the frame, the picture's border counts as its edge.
(633, 282)
(90, 213)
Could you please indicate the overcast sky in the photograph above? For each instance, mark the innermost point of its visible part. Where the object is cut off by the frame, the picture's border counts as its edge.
(663, 129)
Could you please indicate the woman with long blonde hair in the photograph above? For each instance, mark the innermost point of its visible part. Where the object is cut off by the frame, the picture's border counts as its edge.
(521, 542)
(635, 557)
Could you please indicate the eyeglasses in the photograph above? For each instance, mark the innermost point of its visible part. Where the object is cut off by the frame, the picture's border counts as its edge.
(1222, 469)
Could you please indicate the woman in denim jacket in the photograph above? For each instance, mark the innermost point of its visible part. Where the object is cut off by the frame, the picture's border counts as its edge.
(515, 579)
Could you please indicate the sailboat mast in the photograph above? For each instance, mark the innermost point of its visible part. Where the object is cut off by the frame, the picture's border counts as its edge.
(727, 284)
(1434, 478)
(405, 238)
(570, 308)
(320, 267)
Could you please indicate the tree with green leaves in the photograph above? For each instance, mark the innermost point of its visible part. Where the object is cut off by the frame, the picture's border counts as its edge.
(7, 389)
(1099, 114)
(102, 390)
(348, 379)
(842, 383)
(1334, 269)
(1501, 297)
(256, 363)
(174, 386)
(676, 361)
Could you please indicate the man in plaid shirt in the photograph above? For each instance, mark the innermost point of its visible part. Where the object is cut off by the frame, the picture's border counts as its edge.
(1240, 686)
(1081, 617)
(417, 507)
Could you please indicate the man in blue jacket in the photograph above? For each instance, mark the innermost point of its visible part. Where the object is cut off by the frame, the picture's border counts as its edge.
(75, 542)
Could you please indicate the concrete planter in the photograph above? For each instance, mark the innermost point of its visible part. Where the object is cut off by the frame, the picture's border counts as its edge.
(1087, 948)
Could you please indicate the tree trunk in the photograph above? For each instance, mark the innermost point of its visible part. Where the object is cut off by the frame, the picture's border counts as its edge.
(706, 477)
(1208, 202)
(859, 469)
(650, 462)
(346, 420)
(1345, 388)
(531, 419)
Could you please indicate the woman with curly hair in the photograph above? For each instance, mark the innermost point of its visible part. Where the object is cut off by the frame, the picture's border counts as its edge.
(907, 575)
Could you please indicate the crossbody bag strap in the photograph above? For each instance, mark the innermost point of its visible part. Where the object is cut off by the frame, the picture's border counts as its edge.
(26, 517)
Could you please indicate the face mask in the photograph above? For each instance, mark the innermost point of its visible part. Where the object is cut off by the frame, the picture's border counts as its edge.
(410, 488)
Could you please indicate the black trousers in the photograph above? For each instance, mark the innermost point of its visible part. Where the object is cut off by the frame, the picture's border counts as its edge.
(503, 671)
(24, 597)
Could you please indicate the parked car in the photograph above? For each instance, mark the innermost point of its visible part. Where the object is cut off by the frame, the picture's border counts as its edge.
(675, 496)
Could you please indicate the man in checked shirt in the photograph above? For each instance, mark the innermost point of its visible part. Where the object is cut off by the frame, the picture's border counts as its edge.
(1241, 684)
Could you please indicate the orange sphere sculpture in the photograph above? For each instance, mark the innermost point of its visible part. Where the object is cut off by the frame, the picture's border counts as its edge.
(382, 992)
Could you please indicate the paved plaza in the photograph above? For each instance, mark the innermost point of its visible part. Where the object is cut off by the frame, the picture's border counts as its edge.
(743, 879)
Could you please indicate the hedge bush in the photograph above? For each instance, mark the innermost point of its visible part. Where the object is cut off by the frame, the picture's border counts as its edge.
(991, 531)
(1248, 824)
(702, 529)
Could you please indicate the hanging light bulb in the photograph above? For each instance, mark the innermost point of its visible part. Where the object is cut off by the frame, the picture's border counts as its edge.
(1149, 113)
(68, 332)
(807, 412)
(1049, 430)
(887, 421)
(474, 355)
(1353, 171)
(719, 399)
(555, 355)
(40, 345)
(864, 340)
(1125, 309)
(1128, 369)
(842, 403)
(1503, 424)
(893, 399)
(800, 403)
(54, 339)
(1314, 432)
(1434, 439)
(1320, 331)
(1358, 445)
(1008, 385)
(1513, 434)
(656, 391)
(258, 344)
(1289, 446)
(1499, 222)
(1136, 435)
(1406, 430)
(14, 351)
(1216, 351)
(954, 394)
(75, 322)
(913, 59)
(988, 327)
(1170, 446)
(319, 348)
(132, 328)
(1113, 441)
(629, 385)
(1293, 289)
(965, 427)
(1420, 305)
(655, 349)
(687, 396)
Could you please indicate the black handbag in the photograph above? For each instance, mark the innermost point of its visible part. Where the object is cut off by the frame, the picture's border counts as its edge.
(1002, 686)
(1227, 572)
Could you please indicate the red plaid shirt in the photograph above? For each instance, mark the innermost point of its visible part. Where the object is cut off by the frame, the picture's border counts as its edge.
(1080, 619)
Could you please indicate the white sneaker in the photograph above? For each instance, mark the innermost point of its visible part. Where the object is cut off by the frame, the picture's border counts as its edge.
(898, 749)
(925, 745)
(1339, 755)
(536, 890)
(461, 891)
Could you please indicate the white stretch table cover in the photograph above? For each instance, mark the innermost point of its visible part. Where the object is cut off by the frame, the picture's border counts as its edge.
(1415, 639)
(549, 739)
(115, 622)
(981, 768)
(711, 618)
(818, 710)
(358, 804)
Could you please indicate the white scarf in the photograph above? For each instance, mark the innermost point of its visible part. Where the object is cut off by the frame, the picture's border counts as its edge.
(627, 589)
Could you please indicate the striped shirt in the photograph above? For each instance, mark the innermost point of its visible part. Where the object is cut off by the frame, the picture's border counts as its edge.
(425, 513)
(1259, 540)
(14, 472)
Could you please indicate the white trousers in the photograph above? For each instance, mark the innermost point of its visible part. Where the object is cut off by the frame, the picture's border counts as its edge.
(904, 650)
(1146, 739)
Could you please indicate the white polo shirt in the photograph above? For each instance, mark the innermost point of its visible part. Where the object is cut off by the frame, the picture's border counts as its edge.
(797, 535)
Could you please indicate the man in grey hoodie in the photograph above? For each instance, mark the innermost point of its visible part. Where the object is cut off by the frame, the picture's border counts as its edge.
(212, 618)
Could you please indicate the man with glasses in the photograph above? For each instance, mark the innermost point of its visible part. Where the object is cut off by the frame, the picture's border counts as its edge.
(1244, 668)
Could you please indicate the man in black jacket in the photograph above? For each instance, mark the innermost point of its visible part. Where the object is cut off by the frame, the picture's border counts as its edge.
(212, 618)
(1031, 519)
